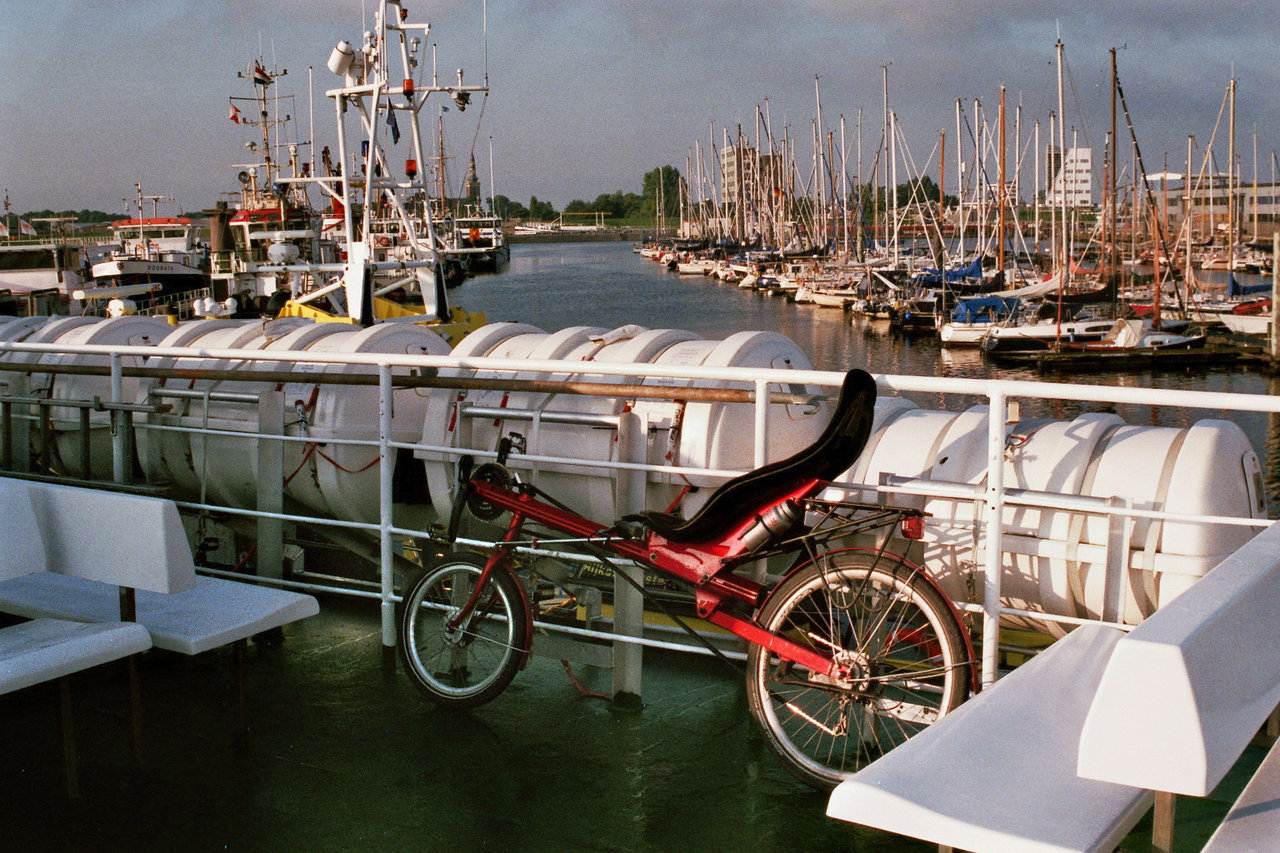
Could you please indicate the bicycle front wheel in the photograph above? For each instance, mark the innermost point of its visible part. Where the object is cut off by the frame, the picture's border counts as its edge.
(462, 663)
(897, 635)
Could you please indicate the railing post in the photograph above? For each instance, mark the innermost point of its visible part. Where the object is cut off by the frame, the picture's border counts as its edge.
(120, 456)
(385, 508)
(762, 423)
(994, 537)
(270, 453)
(19, 447)
(628, 603)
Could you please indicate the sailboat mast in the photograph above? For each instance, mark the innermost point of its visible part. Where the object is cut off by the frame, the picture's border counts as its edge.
(1231, 176)
(1000, 200)
(884, 165)
(942, 193)
(959, 185)
(980, 174)
(844, 189)
(1062, 164)
(1112, 257)
(1188, 213)
(1036, 145)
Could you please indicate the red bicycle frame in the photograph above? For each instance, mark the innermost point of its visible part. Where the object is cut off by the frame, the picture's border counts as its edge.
(708, 568)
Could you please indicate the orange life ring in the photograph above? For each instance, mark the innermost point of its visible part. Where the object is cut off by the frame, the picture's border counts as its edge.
(384, 242)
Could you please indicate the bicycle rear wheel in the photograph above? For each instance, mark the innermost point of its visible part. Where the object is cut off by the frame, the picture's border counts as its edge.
(470, 664)
(901, 641)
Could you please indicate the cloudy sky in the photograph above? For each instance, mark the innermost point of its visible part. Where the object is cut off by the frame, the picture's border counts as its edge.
(586, 96)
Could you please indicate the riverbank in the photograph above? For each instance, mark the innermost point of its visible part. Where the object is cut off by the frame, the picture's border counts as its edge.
(603, 235)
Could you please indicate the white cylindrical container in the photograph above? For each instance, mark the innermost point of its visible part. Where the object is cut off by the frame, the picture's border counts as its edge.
(683, 434)
(64, 420)
(338, 480)
(1055, 560)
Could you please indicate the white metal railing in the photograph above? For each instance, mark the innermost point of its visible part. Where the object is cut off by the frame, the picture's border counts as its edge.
(992, 496)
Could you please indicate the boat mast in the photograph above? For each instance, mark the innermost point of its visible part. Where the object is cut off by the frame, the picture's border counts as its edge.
(844, 189)
(884, 165)
(1000, 200)
(1231, 175)
(1255, 181)
(1065, 276)
(1036, 146)
(1188, 215)
(1112, 255)
(942, 195)
(980, 175)
(959, 185)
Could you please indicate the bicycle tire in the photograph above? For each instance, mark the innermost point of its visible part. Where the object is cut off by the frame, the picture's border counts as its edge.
(472, 664)
(910, 664)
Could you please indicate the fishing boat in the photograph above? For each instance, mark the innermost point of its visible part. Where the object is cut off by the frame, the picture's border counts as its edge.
(478, 239)
(157, 263)
(371, 249)
(40, 276)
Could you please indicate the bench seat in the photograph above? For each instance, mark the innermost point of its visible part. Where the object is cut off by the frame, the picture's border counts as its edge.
(45, 649)
(214, 613)
(999, 772)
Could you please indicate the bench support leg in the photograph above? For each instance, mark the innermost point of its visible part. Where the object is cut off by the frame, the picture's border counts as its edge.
(68, 740)
(129, 613)
(242, 705)
(135, 710)
(1162, 822)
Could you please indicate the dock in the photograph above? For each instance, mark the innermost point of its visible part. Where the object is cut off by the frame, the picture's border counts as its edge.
(1218, 351)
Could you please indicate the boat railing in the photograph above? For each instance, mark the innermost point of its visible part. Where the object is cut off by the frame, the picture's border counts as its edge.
(25, 415)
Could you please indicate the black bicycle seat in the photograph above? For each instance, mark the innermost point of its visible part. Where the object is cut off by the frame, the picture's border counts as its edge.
(737, 500)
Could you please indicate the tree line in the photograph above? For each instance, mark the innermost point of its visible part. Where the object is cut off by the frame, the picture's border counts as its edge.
(661, 183)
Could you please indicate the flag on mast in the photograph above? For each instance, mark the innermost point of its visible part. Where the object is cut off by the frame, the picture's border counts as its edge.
(234, 115)
(25, 229)
(260, 75)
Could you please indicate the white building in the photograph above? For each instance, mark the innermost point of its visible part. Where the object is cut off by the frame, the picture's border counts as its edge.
(1070, 178)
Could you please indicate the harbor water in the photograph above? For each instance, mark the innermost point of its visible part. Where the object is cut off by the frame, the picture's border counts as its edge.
(344, 754)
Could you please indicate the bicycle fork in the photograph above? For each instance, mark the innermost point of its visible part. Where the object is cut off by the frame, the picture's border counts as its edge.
(498, 561)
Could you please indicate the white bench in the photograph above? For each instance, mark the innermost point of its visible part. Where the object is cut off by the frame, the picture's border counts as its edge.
(993, 774)
(1065, 752)
(120, 557)
(42, 650)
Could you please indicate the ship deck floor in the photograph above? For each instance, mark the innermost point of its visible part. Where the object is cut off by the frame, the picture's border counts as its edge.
(343, 753)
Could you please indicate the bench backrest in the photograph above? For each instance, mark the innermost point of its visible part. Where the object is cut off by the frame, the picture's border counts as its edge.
(22, 548)
(1187, 689)
(126, 540)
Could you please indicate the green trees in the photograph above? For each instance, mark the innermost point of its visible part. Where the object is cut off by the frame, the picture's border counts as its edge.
(621, 205)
